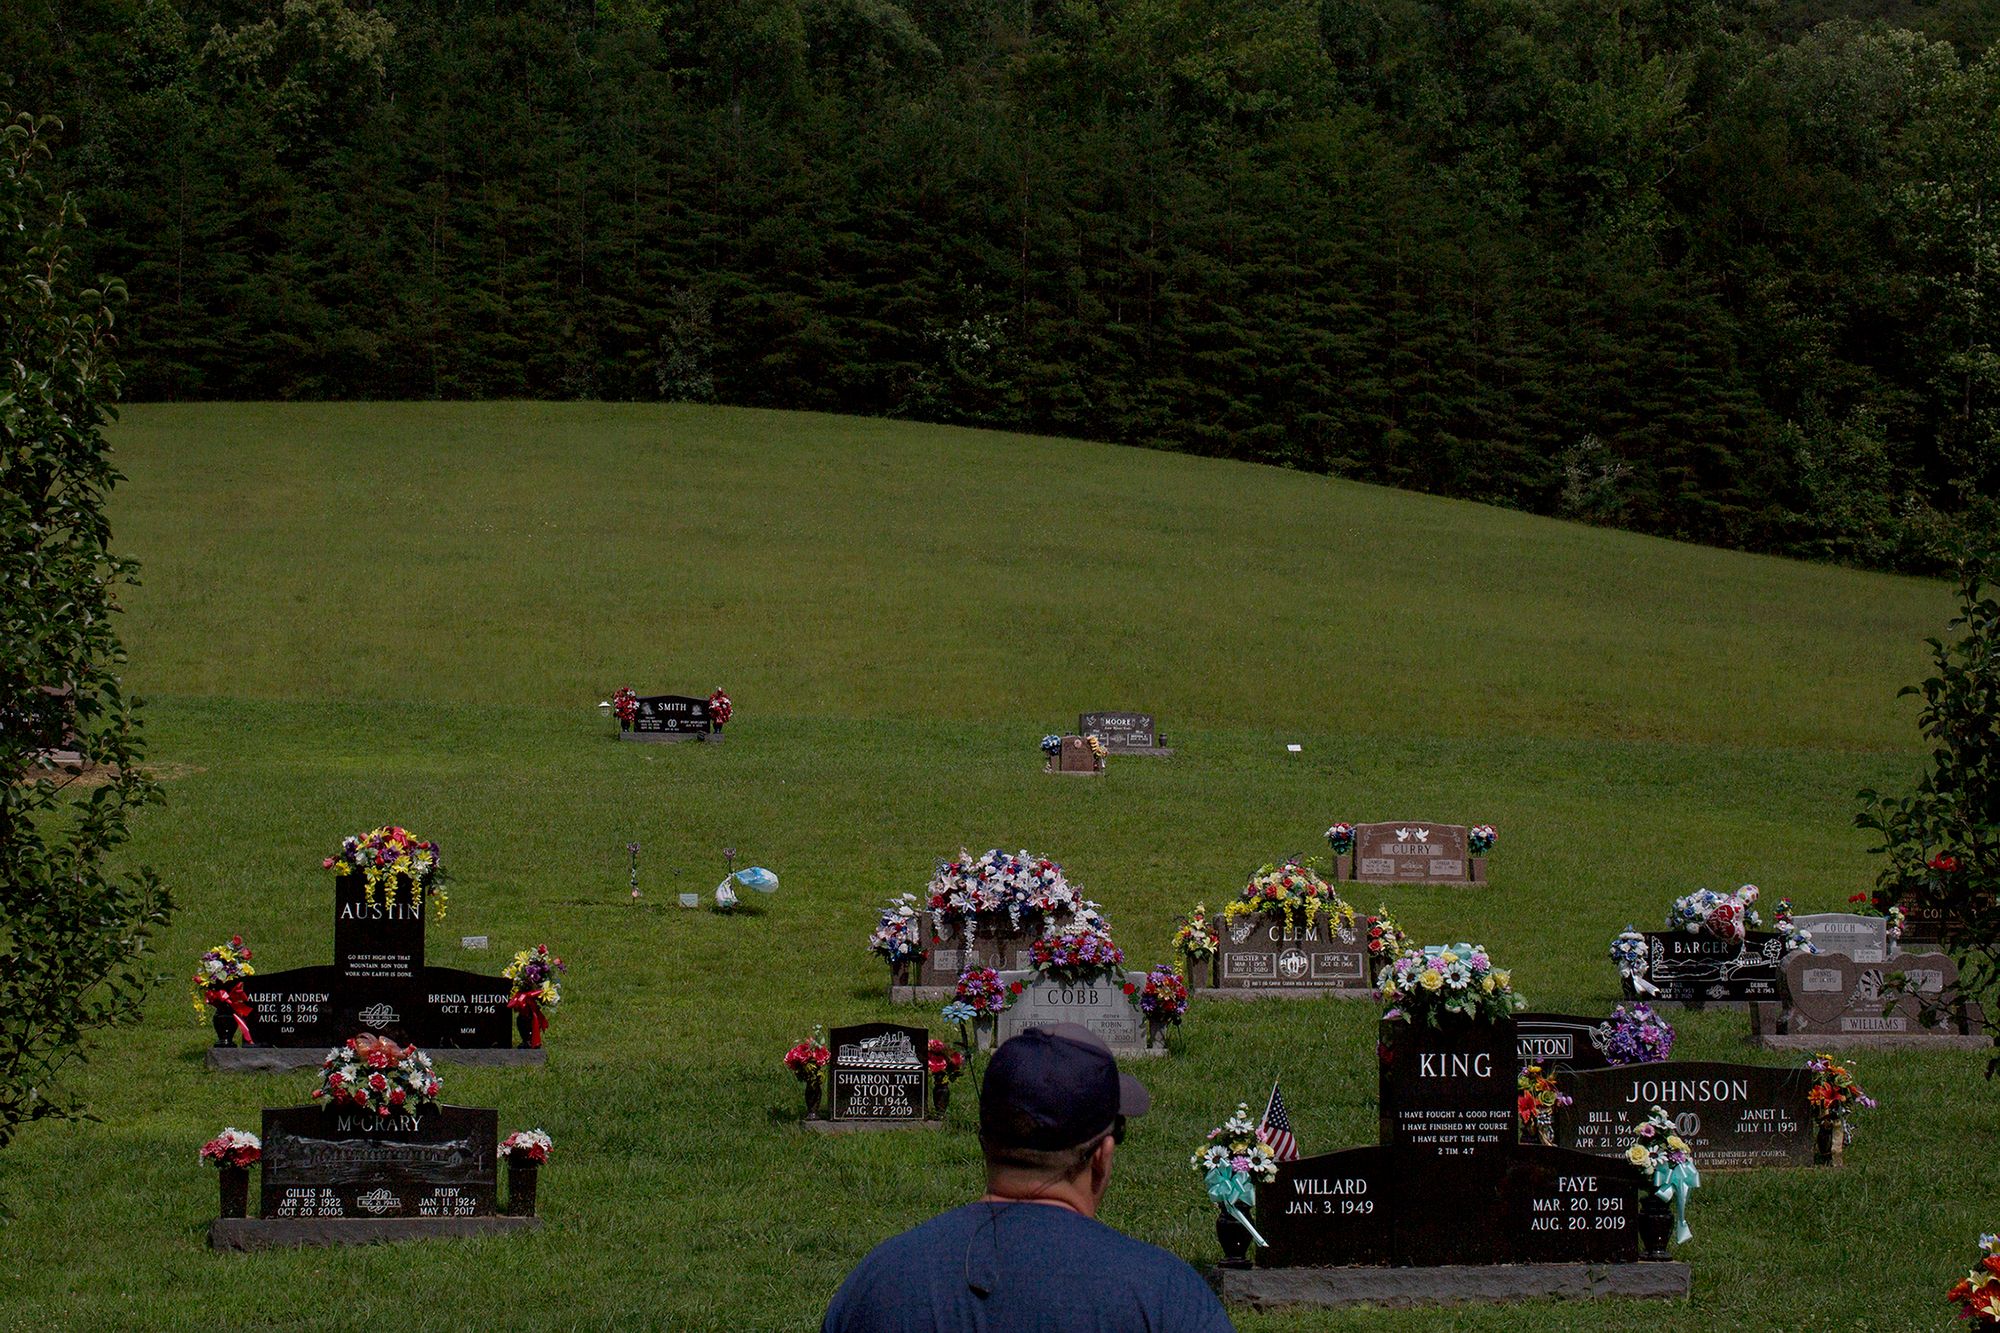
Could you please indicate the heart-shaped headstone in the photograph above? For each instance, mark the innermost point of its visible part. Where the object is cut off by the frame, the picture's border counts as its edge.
(1822, 989)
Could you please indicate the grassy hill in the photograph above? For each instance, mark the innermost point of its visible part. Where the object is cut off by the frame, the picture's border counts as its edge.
(357, 614)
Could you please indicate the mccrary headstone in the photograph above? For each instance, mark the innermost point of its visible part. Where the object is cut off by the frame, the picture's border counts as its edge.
(325, 1162)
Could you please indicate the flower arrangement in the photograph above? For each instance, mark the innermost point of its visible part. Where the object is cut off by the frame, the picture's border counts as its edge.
(376, 1074)
(218, 982)
(1022, 885)
(1077, 955)
(1233, 1161)
(897, 935)
(529, 1145)
(1340, 837)
(719, 708)
(1725, 916)
(978, 994)
(1658, 1150)
(1479, 839)
(1096, 744)
(1637, 1036)
(1386, 939)
(1977, 1294)
(946, 1063)
(387, 856)
(1428, 985)
(1537, 1104)
(1876, 905)
(807, 1060)
(233, 1147)
(1164, 997)
(1051, 745)
(1834, 1095)
(625, 703)
(1196, 938)
(536, 989)
(1292, 889)
(1629, 952)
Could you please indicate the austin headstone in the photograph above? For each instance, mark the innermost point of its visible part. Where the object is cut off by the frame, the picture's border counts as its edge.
(1103, 1005)
(332, 1163)
(1411, 852)
(1731, 1115)
(877, 1071)
(1259, 952)
(1865, 939)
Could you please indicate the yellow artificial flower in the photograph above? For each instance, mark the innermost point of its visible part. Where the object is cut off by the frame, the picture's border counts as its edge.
(1677, 1143)
(1503, 978)
(1486, 983)
(1431, 979)
(1638, 1156)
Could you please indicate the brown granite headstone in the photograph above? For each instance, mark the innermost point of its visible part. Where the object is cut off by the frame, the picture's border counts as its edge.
(993, 941)
(1076, 756)
(1261, 952)
(1830, 993)
(1411, 852)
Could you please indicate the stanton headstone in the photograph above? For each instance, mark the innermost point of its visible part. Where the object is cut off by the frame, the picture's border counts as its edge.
(1731, 1115)
(1122, 733)
(1411, 852)
(669, 717)
(1865, 939)
(378, 983)
(1830, 994)
(877, 1071)
(327, 1162)
(1561, 1041)
(1699, 969)
(1259, 952)
(1101, 1005)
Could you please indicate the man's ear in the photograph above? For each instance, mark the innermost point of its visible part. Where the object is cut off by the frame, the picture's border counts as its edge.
(1100, 1164)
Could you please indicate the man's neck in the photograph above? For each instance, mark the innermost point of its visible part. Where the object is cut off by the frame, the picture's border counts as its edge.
(1076, 1201)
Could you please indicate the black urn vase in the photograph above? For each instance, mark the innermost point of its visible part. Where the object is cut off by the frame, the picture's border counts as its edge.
(225, 1028)
(1656, 1225)
(235, 1200)
(1235, 1239)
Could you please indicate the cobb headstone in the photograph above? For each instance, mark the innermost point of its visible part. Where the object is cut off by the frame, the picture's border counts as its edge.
(1100, 1004)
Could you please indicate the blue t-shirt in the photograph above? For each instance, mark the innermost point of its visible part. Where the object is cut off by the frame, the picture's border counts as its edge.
(1022, 1268)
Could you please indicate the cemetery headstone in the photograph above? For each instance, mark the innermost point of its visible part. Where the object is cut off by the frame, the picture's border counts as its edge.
(329, 1162)
(877, 1072)
(1832, 1001)
(1701, 969)
(1076, 756)
(1731, 1115)
(1329, 1209)
(1106, 1006)
(1259, 952)
(1411, 852)
(1448, 1094)
(378, 983)
(993, 941)
(670, 717)
(1123, 733)
(1561, 1041)
(1865, 939)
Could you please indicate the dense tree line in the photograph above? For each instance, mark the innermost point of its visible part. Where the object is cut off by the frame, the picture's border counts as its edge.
(1725, 271)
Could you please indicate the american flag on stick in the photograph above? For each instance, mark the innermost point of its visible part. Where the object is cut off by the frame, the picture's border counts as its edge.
(1276, 1127)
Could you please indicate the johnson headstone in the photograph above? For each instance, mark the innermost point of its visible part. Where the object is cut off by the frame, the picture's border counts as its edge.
(1731, 1115)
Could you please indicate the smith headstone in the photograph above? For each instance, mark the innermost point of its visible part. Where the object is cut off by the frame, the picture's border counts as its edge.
(1261, 952)
(877, 1071)
(1731, 1115)
(669, 717)
(328, 1163)
(1411, 852)
(1102, 1005)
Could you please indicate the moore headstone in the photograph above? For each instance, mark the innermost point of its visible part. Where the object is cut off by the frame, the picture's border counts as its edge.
(1561, 1041)
(669, 717)
(1102, 1005)
(326, 1162)
(1122, 733)
(1731, 1115)
(1698, 969)
(877, 1071)
(1865, 939)
(1411, 852)
(1259, 952)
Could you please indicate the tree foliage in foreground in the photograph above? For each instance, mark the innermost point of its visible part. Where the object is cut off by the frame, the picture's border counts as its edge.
(73, 928)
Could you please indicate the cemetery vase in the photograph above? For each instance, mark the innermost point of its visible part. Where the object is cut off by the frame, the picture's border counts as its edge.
(225, 1030)
(235, 1182)
(1545, 1127)
(1656, 1224)
(1156, 1033)
(1343, 866)
(527, 1024)
(1823, 1142)
(813, 1090)
(522, 1178)
(1235, 1239)
(1478, 864)
(940, 1099)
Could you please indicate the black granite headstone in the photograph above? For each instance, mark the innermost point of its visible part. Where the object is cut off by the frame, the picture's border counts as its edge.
(1131, 733)
(1561, 1041)
(1330, 1209)
(1571, 1207)
(1731, 1115)
(663, 715)
(379, 940)
(878, 1071)
(1448, 1093)
(1260, 952)
(1698, 969)
(322, 1162)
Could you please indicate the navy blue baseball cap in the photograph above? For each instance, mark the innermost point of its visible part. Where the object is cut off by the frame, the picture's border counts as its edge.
(1055, 1087)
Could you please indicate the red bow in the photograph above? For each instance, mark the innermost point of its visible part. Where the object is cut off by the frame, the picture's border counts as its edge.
(529, 1001)
(234, 1001)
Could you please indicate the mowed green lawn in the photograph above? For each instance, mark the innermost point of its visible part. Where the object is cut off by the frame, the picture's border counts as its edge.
(391, 613)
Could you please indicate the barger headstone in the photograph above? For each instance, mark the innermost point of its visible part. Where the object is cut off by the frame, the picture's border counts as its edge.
(1102, 1005)
(877, 1071)
(1701, 969)
(1411, 852)
(1731, 1115)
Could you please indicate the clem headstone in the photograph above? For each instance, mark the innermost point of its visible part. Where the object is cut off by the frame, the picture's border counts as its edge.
(1561, 1041)
(670, 717)
(1102, 1005)
(1731, 1115)
(1830, 995)
(1411, 852)
(1449, 1185)
(1259, 952)
(378, 983)
(328, 1162)
(1698, 969)
(877, 1072)
(1865, 939)
(1123, 733)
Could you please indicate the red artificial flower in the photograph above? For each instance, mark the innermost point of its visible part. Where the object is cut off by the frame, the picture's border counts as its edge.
(396, 1098)
(377, 1082)
(336, 1078)
(1959, 1292)
(1857, 897)
(1985, 1301)
(1944, 864)
(1015, 988)
(1129, 988)
(1527, 1106)
(1992, 1264)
